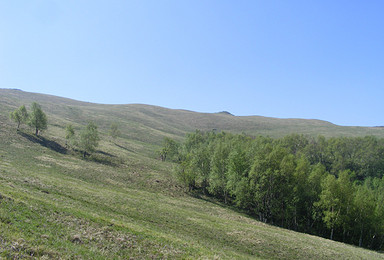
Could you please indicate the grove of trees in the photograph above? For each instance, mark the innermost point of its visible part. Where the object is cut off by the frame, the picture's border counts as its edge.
(328, 187)
(36, 119)
(87, 141)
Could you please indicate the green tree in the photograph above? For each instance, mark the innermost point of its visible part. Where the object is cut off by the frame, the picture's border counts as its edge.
(313, 191)
(37, 118)
(185, 172)
(20, 116)
(219, 168)
(330, 203)
(271, 177)
(70, 135)
(364, 203)
(89, 139)
(201, 164)
(114, 132)
(238, 179)
(377, 239)
(301, 194)
(336, 200)
(170, 149)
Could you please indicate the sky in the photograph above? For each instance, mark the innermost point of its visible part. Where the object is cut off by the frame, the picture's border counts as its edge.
(319, 59)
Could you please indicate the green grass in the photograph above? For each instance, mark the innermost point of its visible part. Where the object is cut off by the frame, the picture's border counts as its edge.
(122, 202)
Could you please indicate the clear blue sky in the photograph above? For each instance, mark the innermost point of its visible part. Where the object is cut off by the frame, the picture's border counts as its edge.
(289, 59)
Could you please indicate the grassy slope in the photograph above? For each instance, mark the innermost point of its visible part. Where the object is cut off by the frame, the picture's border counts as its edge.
(123, 202)
(149, 124)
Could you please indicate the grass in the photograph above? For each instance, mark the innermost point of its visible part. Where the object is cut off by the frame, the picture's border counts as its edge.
(122, 202)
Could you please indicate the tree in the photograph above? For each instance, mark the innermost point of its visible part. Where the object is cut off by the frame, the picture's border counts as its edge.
(20, 116)
(219, 168)
(336, 200)
(89, 139)
(271, 178)
(364, 203)
(330, 203)
(170, 149)
(238, 179)
(114, 131)
(37, 118)
(301, 195)
(70, 135)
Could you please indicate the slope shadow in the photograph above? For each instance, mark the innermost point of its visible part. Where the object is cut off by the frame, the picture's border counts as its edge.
(103, 158)
(54, 146)
(105, 153)
(125, 148)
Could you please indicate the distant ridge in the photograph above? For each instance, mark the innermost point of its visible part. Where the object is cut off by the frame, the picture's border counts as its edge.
(225, 113)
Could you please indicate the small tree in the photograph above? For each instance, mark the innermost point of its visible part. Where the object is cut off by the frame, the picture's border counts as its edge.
(70, 135)
(38, 118)
(89, 139)
(20, 116)
(114, 131)
(170, 149)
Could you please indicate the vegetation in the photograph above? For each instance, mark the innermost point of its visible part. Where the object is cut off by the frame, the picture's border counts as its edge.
(89, 139)
(114, 132)
(37, 118)
(170, 149)
(20, 116)
(70, 136)
(328, 187)
(122, 202)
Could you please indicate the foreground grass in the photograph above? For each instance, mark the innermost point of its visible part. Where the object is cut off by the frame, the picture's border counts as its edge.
(121, 203)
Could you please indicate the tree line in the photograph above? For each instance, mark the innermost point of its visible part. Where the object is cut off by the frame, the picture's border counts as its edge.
(328, 187)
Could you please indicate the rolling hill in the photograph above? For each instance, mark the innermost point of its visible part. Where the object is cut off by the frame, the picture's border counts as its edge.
(151, 123)
(123, 202)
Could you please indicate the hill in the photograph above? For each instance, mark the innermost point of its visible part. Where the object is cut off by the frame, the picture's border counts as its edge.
(150, 124)
(122, 202)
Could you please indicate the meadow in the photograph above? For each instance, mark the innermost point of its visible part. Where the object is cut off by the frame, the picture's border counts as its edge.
(122, 201)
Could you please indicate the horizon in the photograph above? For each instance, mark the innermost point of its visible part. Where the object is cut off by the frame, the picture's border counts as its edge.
(296, 59)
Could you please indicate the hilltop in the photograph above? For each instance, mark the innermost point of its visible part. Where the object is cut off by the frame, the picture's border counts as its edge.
(123, 202)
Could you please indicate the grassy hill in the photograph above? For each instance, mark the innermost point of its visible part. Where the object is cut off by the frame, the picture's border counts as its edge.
(122, 202)
(150, 124)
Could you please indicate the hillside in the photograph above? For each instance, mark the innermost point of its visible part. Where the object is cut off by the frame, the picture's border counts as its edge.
(150, 124)
(122, 202)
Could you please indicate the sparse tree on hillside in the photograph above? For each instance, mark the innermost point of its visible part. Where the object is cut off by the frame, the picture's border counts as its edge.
(20, 116)
(70, 135)
(37, 119)
(114, 131)
(89, 139)
(170, 149)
